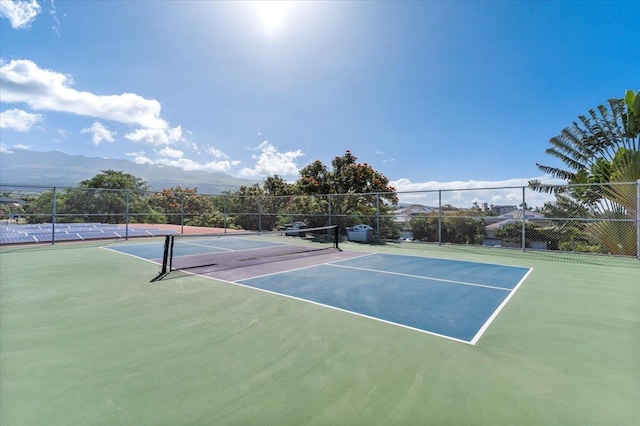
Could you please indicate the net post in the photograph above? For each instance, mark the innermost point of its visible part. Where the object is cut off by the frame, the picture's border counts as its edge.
(172, 240)
(336, 237)
(165, 255)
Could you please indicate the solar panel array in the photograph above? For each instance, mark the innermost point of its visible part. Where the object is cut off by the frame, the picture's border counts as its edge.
(43, 233)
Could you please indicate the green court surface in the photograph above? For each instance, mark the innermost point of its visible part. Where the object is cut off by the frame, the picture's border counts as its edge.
(86, 338)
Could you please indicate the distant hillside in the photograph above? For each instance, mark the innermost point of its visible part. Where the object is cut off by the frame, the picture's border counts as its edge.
(22, 167)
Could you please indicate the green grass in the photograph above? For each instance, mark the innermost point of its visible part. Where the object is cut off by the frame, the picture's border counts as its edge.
(85, 338)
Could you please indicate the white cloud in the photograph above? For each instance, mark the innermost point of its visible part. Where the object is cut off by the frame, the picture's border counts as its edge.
(4, 149)
(19, 13)
(156, 136)
(141, 158)
(42, 89)
(99, 133)
(53, 12)
(465, 193)
(18, 120)
(216, 153)
(21, 146)
(186, 164)
(175, 158)
(170, 152)
(271, 162)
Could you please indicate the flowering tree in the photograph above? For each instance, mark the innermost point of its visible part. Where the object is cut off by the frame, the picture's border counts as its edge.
(178, 202)
(355, 190)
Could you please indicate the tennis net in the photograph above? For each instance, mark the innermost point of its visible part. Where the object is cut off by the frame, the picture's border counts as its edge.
(229, 250)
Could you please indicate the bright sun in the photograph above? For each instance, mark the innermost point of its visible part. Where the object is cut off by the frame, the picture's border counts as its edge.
(272, 14)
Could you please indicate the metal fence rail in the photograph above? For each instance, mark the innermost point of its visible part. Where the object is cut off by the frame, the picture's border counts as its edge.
(598, 218)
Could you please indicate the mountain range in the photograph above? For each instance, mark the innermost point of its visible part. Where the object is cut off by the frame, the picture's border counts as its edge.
(54, 168)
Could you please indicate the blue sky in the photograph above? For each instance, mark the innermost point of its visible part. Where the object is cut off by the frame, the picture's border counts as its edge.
(432, 94)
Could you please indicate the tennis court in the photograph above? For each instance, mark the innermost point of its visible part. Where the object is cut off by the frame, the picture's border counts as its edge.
(452, 299)
(87, 338)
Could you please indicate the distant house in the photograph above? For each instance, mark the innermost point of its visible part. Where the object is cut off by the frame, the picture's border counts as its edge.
(11, 201)
(500, 210)
(403, 215)
(515, 215)
(14, 208)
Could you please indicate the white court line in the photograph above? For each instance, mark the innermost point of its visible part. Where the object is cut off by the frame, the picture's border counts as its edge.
(335, 308)
(206, 246)
(303, 267)
(452, 260)
(131, 255)
(422, 277)
(272, 244)
(498, 309)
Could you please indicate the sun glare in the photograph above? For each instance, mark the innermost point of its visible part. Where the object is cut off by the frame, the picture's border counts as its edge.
(272, 15)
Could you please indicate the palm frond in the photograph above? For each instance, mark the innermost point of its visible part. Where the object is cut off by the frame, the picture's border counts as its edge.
(556, 172)
(544, 188)
(566, 159)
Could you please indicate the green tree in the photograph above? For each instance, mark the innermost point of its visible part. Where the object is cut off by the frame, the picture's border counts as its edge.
(425, 228)
(601, 149)
(454, 229)
(312, 210)
(632, 118)
(40, 209)
(590, 142)
(112, 179)
(244, 206)
(9, 211)
(357, 190)
(185, 203)
(462, 230)
(105, 198)
(513, 231)
(276, 201)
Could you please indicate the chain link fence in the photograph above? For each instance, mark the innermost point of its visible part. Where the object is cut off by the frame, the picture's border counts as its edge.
(598, 218)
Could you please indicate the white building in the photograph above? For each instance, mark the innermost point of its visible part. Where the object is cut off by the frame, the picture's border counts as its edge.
(502, 209)
(515, 215)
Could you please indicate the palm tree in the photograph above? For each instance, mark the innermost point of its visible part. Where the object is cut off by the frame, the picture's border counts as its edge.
(601, 150)
(591, 141)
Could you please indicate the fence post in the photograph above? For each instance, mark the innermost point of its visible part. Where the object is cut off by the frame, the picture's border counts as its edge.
(291, 210)
(524, 228)
(259, 214)
(126, 215)
(378, 215)
(182, 212)
(53, 217)
(440, 217)
(224, 209)
(329, 200)
(638, 219)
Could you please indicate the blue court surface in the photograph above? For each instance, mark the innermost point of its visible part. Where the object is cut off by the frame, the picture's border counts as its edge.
(453, 299)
